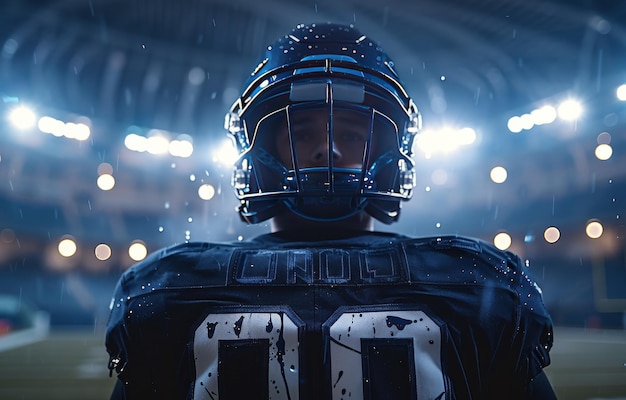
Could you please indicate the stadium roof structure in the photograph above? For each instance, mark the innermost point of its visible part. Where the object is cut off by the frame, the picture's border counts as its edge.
(174, 68)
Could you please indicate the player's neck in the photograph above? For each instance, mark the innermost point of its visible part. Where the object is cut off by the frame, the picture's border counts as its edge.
(290, 222)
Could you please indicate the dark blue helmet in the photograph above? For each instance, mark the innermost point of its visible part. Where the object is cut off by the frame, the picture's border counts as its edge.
(324, 128)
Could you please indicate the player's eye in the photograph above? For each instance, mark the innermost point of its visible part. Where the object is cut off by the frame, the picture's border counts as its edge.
(352, 137)
(301, 135)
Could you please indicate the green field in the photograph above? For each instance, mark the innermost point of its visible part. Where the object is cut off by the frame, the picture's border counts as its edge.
(587, 364)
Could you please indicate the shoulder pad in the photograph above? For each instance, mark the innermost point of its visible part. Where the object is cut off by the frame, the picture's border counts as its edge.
(456, 242)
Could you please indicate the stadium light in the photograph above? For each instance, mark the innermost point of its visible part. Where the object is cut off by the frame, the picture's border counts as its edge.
(544, 115)
(621, 92)
(226, 154)
(570, 110)
(444, 140)
(71, 130)
(157, 144)
(180, 148)
(22, 117)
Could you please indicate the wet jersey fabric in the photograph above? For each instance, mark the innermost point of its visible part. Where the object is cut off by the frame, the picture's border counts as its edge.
(359, 316)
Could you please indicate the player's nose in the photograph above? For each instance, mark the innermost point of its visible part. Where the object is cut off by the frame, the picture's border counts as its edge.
(320, 153)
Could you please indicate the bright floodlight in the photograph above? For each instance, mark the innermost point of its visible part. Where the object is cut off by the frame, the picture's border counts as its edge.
(158, 145)
(527, 121)
(621, 92)
(51, 125)
(444, 140)
(71, 130)
(181, 148)
(515, 124)
(226, 154)
(570, 110)
(78, 131)
(544, 115)
(136, 142)
(22, 117)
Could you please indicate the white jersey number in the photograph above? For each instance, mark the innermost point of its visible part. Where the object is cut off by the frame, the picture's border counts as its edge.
(398, 351)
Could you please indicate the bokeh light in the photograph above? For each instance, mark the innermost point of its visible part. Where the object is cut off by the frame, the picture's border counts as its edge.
(105, 168)
(206, 191)
(226, 153)
(67, 246)
(621, 92)
(570, 110)
(102, 252)
(594, 229)
(498, 174)
(137, 250)
(502, 241)
(106, 182)
(603, 152)
(604, 138)
(71, 130)
(552, 234)
(445, 140)
(22, 117)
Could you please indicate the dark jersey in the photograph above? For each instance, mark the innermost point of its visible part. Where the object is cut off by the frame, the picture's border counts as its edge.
(366, 316)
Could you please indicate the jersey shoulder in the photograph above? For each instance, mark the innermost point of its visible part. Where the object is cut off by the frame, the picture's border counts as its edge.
(469, 261)
(180, 265)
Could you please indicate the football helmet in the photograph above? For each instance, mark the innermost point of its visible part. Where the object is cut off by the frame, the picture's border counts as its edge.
(324, 128)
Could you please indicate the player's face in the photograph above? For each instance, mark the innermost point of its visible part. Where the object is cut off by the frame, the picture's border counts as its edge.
(310, 137)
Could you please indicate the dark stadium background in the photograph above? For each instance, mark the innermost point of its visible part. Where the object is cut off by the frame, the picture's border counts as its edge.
(125, 67)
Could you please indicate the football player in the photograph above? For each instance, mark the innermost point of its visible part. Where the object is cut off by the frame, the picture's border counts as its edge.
(324, 307)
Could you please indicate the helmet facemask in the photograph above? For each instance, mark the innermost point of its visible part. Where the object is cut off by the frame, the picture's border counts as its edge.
(324, 159)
